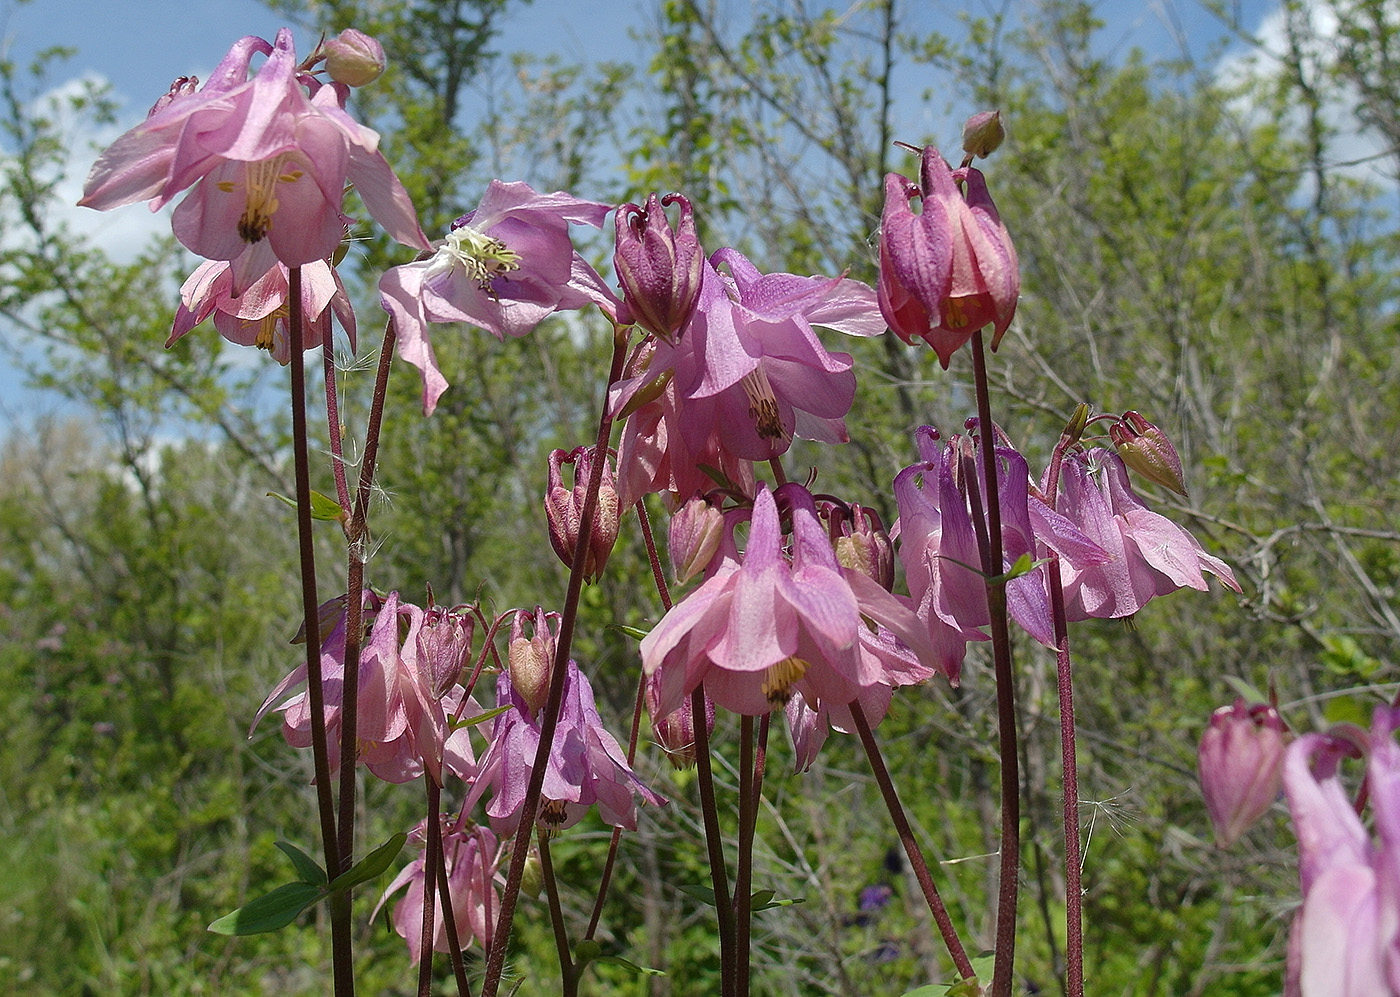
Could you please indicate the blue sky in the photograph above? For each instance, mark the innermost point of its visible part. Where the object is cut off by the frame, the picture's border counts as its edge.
(141, 45)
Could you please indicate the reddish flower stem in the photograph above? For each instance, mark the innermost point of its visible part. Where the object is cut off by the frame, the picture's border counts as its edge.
(1074, 891)
(911, 845)
(568, 972)
(449, 921)
(432, 862)
(341, 958)
(495, 964)
(751, 766)
(1008, 886)
(342, 491)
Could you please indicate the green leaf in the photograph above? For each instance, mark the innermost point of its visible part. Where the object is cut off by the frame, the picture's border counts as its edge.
(1243, 688)
(270, 912)
(1348, 709)
(323, 507)
(627, 631)
(1023, 566)
(768, 903)
(480, 718)
(307, 867)
(705, 894)
(370, 866)
(631, 966)
(969, 987)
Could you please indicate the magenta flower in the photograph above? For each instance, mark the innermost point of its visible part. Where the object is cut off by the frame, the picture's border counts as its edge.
(471, 857)
(1240, 764)
(260, 315)
(1151, 555)
(951, 269)
(563, 509)
(761, 627)
(268, 158)
(586, 764)
(504, 267)
(749, 370)
(1345, 940)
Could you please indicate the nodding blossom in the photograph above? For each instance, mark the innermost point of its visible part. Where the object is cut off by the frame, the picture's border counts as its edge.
(266, 157)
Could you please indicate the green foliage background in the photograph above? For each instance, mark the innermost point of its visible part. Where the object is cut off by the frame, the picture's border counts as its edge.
(1192, 248)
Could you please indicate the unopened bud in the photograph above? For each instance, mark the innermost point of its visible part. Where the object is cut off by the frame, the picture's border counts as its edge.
(354, 58)
(1240, 763)
(444, 641)
(863, 545)
(693, 537)
(659, 267)
(983, 133)
(563, 509)
(1146, 450)
(531, 658)
(532, 876)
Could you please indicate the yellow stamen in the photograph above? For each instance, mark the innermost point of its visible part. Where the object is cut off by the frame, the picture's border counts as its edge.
(778, 680)
(483, 257)
(260, 192)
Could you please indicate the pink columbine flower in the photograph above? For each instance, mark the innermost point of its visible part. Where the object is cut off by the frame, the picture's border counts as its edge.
(951, 269)
(268, 158)
(1345, 940)
(586, 764)
(1150, 555)
(471, 856)
(762, 626)
(401, 721)
(504, 267)
(353, 58)
(260, 315)
(1240, 764)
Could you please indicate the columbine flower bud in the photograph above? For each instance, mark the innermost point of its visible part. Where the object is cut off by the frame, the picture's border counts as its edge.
(564, 509)
(659, 268)
(1146, 450)
(675, 732)
(1241, 766)
(949, 270)
(531, 658)
(354, 58)
(694, 536)
(444, 641)
(983, 133)
(863, 545)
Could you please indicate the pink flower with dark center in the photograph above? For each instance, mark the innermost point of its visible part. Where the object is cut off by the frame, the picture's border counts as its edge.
(748, 368)
(505, 268)
(951, 269)
(471, 856)
(260, 316)
(763, 625)
(267, 157)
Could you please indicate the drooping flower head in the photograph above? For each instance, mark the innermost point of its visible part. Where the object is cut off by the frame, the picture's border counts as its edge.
(585, 765)
(1240, 764)
(764, 624)
(747, 373)
(504, 267)
(564, 510)
(950, 269)
(1345, 940)
(260, 316)
(268, 157)
(1150, 555)
(471, 855)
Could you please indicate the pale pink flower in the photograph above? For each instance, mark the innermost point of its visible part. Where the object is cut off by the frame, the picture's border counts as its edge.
(1240, 764)
(762, 626)
(260, 316)
(471, 857)
(267, 157)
